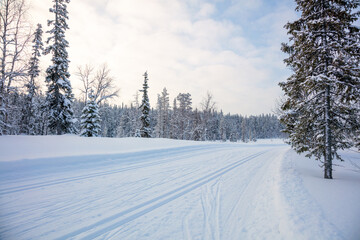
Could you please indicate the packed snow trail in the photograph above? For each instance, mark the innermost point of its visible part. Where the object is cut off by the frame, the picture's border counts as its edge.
(159, 201)
(105, 196)
(156, 189)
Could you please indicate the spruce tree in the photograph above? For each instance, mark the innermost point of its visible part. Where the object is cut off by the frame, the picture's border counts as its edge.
(29, 108)
(59, 94)
(222, 128)
(184, 120)
(166, 113)
(90, 118)
(163, 109)
(158, 128)
(320, 113)
(145, 130)
(174, 128)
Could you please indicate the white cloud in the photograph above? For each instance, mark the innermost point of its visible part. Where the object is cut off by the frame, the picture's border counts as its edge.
(206, 11)
(178, 42)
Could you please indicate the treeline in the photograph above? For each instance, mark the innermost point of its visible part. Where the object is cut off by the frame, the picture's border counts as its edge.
(180, 121)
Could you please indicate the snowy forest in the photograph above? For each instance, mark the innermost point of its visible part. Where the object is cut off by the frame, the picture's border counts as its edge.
(26, 109)
(141, 145)
(319, 111)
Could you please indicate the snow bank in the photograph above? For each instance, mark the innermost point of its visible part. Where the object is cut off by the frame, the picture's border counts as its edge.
(318, 208)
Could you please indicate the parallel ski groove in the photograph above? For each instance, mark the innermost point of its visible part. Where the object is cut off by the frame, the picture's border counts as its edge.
(93, 175)
(156, 202)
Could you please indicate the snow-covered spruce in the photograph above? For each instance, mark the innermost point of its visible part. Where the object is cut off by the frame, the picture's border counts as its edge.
(90, 118)
(321, 113)
(145, 130)
(162, 128)
(28, 121)
(59, 94)
(182, 116)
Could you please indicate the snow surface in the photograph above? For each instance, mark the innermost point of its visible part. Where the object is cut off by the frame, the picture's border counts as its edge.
(68, 187)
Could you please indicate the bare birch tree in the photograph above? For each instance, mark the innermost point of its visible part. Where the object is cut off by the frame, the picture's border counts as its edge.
(84, 74)
(14, 38)
(102, 82)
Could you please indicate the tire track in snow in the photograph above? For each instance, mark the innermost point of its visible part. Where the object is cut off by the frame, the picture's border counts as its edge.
(110, 172)
(150, 205)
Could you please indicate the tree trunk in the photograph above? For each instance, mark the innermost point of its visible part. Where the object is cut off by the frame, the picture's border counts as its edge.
(327, 106)
(328, 155)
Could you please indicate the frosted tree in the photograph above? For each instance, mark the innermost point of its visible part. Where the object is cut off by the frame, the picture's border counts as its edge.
(197, 129)
(174, 128)
(85, 76)
(101, 81)
(158, 127)
(59, 94)
(14, 38)
(163, 110)
(30, 106)
(124, 128)
(319, 112)
(166, 113)
(184, 115)
(222, 127)
(145, 130)
(135, 113)
(244, 136)
(90, 118)
(208, 107)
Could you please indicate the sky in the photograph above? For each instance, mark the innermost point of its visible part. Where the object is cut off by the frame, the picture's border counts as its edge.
(230, 48)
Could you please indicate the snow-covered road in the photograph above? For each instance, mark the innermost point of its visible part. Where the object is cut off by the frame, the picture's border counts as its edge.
(168, 191)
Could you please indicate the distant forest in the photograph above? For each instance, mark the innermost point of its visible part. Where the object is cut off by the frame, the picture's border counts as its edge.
(177, 122)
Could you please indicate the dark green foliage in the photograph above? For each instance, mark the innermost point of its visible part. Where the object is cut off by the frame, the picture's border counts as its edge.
(320, 112)
(145, 130)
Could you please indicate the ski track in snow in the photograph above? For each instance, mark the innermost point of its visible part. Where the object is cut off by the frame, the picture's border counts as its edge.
(29, 220)
(148, 155)
(148, 206)
(208, 191)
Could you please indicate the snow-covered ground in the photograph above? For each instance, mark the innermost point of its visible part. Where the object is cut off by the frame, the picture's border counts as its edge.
(67, 187)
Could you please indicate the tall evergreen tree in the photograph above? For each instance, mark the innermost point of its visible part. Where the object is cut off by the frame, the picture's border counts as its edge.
(174, 128)
(184, 115)
(320, 113)
(135, 113)
(208, 107)
(145, 130)
(124, 128)
(163, 109)
(222, 127)
(59, 93)
(90, 118)
(158, 128)
(29, 108)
